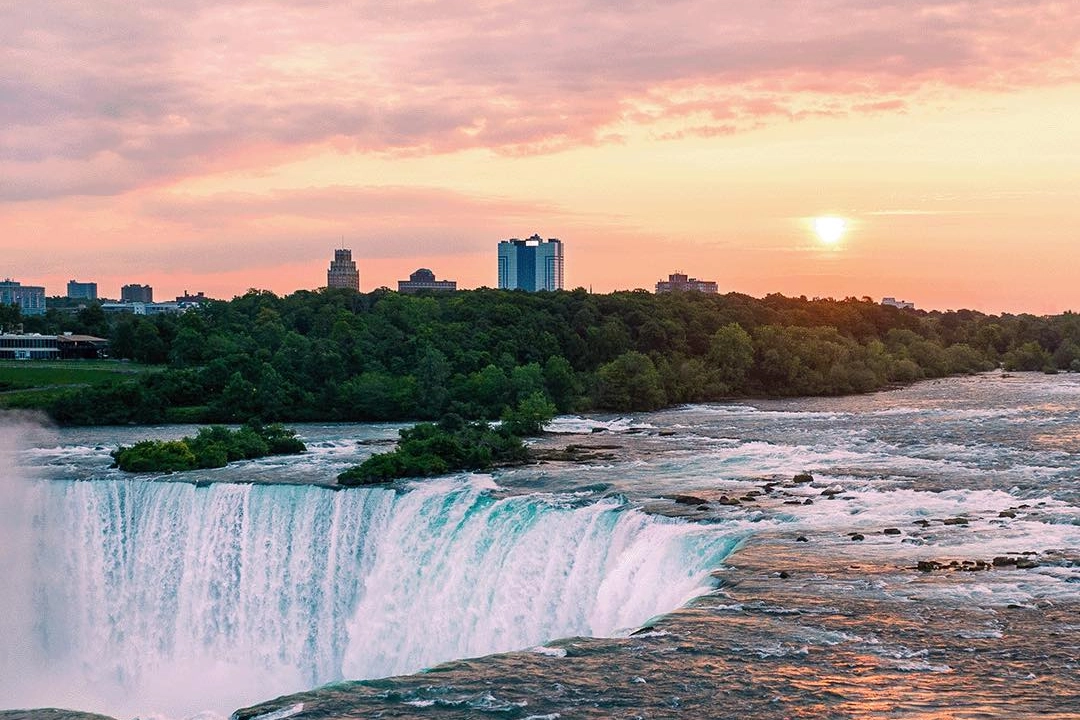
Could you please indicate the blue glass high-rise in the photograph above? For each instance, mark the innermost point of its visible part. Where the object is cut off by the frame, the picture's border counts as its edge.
(531, 264)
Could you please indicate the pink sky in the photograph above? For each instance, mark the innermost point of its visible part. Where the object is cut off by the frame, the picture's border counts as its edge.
(218, 146)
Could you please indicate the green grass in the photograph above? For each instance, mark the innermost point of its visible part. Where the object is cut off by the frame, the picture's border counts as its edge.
(29, 383)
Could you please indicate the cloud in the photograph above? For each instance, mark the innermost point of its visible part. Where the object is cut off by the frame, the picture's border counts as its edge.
(97, 98)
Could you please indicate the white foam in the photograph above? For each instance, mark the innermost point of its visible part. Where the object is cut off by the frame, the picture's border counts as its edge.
(154, 588)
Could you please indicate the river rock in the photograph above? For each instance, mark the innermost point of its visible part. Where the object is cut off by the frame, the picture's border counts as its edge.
(690, 500)
(891, 531)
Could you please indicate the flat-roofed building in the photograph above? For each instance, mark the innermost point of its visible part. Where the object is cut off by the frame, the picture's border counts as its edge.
(677, 282)
(187, 299)
(137, 293)
(424, 279)
(531, 264)
(30, 299)
(143, 308)
(32, 346)
(902, 304)
(81, 290)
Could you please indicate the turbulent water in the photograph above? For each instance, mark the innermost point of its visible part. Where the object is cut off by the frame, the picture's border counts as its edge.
(144, 590)
(143, 596)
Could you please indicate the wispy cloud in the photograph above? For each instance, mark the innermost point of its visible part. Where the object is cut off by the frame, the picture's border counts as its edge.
(101, 97)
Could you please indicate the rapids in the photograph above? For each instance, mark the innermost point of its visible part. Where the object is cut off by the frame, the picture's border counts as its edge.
(144, 590)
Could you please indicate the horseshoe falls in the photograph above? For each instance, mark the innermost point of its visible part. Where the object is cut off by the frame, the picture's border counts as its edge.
(166, 598)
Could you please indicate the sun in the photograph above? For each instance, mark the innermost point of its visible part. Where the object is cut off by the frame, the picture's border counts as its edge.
(830, 229)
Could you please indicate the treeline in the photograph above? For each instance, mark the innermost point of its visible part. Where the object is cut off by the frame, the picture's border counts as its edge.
(342, 355)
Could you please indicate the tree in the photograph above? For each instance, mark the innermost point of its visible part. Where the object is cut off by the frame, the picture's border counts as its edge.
(630, 382)
(731, 354)
(530, 415)
(1029, 356)
(148, 346)
(433, 374)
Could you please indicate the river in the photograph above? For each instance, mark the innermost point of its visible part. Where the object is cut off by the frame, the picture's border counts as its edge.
(677, 570)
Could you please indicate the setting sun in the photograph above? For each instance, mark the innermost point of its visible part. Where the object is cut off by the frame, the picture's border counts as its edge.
(830, 229)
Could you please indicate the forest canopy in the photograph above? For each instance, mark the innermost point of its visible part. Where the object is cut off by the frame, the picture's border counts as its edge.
(346, 356)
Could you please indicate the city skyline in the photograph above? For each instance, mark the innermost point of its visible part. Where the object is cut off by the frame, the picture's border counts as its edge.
(833, 148)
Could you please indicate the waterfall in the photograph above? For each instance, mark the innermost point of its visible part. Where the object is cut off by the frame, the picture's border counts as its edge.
(166, 597)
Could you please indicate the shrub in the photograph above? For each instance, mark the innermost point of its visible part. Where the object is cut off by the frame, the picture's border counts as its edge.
(155, 456)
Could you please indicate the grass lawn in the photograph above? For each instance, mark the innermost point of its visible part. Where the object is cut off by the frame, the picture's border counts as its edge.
(28, 383)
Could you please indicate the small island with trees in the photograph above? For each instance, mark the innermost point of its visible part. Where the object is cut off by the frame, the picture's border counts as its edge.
(211, 447)
(454, 444)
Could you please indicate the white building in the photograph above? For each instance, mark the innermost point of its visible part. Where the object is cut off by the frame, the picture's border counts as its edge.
(902, 304)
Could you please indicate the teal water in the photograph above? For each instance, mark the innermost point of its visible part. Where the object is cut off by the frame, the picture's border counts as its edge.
(149, 596)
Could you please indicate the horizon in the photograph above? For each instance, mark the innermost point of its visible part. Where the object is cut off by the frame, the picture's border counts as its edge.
(833, 149)
(169, 297)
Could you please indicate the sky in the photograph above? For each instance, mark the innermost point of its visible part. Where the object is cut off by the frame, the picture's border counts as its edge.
(217, 145)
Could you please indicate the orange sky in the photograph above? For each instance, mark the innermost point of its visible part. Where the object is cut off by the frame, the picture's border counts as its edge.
(197, 145)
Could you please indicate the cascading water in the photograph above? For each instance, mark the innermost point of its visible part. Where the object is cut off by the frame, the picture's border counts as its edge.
(165, 597)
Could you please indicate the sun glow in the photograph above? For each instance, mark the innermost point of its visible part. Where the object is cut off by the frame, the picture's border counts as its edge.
(830, 229)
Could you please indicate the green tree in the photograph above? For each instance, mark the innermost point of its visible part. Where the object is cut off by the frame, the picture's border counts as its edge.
(1029, 356)
(731, 354)
(630, 382)
(530, 415)
(148, 345)
(561, 382)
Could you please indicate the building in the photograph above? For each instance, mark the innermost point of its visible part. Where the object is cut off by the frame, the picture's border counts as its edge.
(141, 308)
(677, 282)
(81, 290)
(343, 272)
(424, 279)
(29, 298)
(137, 293)
(189, 300)
(902, 304)
(532, 264)
(32, 346)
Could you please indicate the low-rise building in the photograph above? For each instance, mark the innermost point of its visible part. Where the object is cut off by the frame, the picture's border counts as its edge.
(677, 282)
(188, 299)
(143, 308)
(32, 346)
(902, 304)
(424, 279)
(30, 299)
